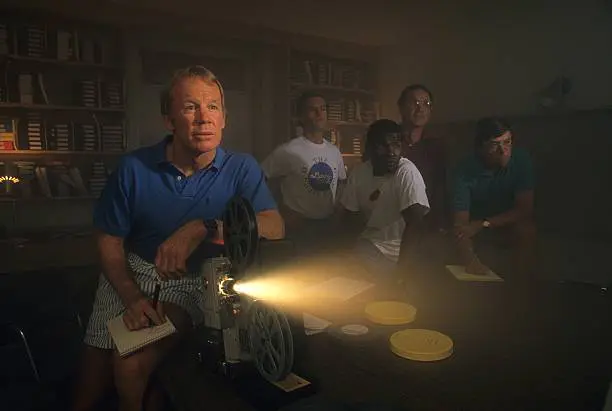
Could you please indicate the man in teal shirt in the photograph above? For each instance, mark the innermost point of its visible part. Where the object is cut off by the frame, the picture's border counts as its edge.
(494, 190)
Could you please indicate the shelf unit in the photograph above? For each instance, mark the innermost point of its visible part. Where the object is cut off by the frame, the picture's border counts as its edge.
(349, 90)
(62, 107)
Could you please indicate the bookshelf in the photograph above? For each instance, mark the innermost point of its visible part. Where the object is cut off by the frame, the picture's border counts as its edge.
(349, 90)
(62, 107)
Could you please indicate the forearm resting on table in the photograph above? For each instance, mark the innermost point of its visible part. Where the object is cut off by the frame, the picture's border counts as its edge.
(522, 210)
(114, 267)
(509, 217)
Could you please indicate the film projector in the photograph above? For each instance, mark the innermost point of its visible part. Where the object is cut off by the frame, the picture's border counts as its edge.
(239, 329)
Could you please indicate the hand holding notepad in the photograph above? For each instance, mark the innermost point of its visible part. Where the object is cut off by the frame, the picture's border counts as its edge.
(128, 341)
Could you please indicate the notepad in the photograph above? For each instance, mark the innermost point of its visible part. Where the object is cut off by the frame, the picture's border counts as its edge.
(459, 272)
(291, 383)
(314, 325)
(128, 341)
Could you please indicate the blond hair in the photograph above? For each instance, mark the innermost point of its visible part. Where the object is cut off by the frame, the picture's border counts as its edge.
(200, 72)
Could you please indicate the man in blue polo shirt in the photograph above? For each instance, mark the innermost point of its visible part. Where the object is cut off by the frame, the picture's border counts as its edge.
(157, 219)
(494, 190)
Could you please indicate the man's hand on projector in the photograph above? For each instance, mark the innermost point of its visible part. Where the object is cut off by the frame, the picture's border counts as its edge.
(173, 253)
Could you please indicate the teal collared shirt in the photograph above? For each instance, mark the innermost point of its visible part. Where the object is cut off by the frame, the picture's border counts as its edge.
(485, 193)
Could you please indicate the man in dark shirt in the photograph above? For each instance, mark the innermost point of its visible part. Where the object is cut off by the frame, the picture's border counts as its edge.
(493, 191)
(424, 150)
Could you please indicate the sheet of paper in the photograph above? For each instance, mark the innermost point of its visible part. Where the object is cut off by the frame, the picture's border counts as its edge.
(339, 288)
(459, 272)
(314, 325)
(291, 383)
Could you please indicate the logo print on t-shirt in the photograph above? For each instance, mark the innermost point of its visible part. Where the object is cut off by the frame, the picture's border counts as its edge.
(320, 176)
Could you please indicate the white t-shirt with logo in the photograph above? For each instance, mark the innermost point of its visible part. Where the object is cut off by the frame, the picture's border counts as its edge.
(309, 175)
(382, 200)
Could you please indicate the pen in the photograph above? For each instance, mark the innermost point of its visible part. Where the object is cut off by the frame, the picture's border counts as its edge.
(155, 299)
(156, 294)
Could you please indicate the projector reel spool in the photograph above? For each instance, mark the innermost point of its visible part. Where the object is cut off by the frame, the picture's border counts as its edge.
(271, 341)
(240, 234)
(269, 333)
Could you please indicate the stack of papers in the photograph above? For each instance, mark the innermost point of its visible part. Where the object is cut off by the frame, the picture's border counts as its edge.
(459, 272)
(339, 289)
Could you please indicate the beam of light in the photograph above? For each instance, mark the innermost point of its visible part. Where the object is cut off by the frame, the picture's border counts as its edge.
(9, 179)
(293, 288)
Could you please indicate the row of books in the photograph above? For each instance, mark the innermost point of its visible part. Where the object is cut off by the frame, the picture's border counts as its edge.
(347, 142)
(34, 133)
(333, 74)
(49, 181)
(39, 41)
(94, 93)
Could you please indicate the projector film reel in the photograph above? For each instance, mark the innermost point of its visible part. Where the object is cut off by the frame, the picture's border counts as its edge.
(240, 234)
(271, 341)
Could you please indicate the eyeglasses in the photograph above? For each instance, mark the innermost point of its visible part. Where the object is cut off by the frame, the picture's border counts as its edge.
(422, 104)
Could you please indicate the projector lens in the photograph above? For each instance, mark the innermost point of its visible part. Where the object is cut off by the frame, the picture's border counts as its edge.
(227, 287)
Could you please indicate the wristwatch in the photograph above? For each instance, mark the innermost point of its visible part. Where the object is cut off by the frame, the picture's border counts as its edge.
(211, 229)
(486, 223)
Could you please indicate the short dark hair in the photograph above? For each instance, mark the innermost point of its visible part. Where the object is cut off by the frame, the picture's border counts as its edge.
(376, 135)
(489, 128)
(409, 89)
(303, 98)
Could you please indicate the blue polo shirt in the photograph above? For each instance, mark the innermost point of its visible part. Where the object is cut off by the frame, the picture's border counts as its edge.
(484, 192)
(146, 199)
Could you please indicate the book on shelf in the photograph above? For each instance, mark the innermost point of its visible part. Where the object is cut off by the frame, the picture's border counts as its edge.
(26, 88)
(43, 182)
(8, 134)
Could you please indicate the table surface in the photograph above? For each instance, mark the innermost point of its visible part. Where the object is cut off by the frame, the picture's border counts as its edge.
(517, 346)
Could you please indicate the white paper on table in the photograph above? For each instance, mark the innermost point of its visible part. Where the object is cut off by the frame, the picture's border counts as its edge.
(459, 272)
(314, 325)
(339, 288)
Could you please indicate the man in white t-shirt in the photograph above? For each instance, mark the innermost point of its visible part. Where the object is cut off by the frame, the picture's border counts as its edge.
(309, 170)
(388, 193)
